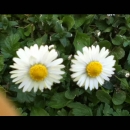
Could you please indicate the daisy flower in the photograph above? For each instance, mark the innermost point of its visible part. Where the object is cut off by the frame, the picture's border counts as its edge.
(36, 68)
(91, 67)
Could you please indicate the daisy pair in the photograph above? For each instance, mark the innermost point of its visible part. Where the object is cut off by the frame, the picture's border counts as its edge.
(38, 67)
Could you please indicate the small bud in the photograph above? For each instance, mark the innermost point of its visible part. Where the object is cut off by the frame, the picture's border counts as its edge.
(51, 47)
(127, 75)
(110, 15)
(98, 33)
(123, 73)
(69, 57)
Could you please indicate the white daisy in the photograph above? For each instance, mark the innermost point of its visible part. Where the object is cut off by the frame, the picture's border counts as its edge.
(91, 67)
(36, 68)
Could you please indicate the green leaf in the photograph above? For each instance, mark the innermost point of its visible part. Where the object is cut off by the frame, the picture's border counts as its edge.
(109, 29)
(39, 102)
(1, 62)
(127, 99)
(101, 25)
(92, 97)
(21, 112)
(62, 112)
(122, 31)
(69, 21)
(81, 40)
(89, 19)
(2, 90)
(25, 96)
(118, 52)
(42, 40)
(79, 21)
(13, 23)
(110, 20)
(37, 111)
(11, 45)
(79, 109)
(119, 97)
(126, 43)
(118, 67)
(121, 113)
(128, 58)
(103, 96)
(58, 27)
(20, 32)
(5, 22)
(117, 40)
(107, 110)
(124, 82)
(108, 85)
(105, 43)
(71, 94)
(29, 29)
(100, 110)
(58, 100)
(64, 41)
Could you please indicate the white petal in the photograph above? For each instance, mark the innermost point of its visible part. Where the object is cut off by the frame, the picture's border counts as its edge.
(77, 74)
(55, 62)
(87, 83)
(18, 78)
(17, 75)
(41, 86)
(30, 87)
(26, 86)
(81, 56)
(100, 80)
(104, 76)
(22, 55)
(56, 72)
(19, 61)
(76, 70)
(52, 80)
(91, 84)
(54, 76)
(43, 51)
(81, 80)
(25, 81)
(35, 85)
(77, 78)
(51, 56)
(47, 85)
(95, 83)
(87, 54)
(18, 71)
(79, 59)
(32, 60)
(103, 53)
(56, 67)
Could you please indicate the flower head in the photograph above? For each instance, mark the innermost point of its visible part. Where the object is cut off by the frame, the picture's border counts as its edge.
(91, 67)
(127, 75)
(36, 68)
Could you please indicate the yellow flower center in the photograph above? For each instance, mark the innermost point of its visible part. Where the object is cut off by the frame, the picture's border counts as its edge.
(94, 69)
(38, 72)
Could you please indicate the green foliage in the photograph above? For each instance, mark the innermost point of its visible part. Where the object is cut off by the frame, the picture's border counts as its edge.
(1, 62)
(118, 98)
(118, 52)
(10, 45)
(38, 112)
(68, 33)
(81, 40)
(103, 96)
(58, 100)
(79, 109)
